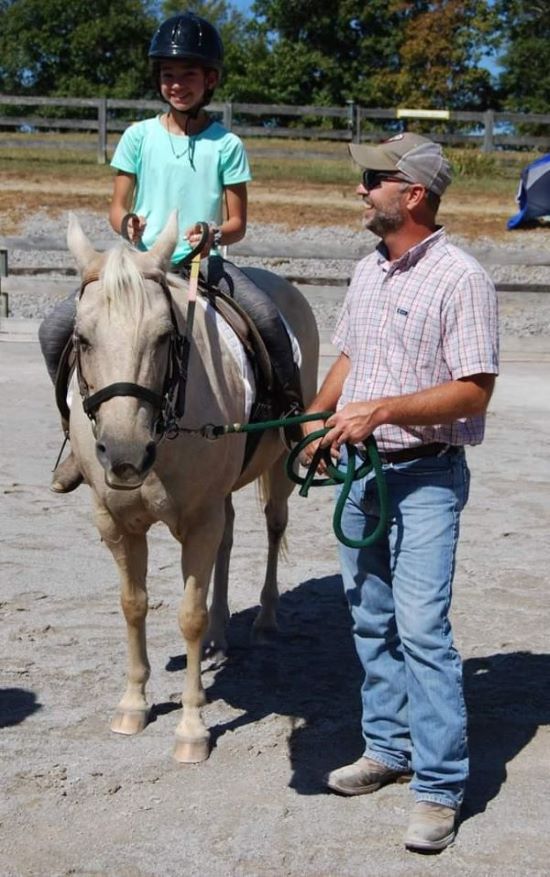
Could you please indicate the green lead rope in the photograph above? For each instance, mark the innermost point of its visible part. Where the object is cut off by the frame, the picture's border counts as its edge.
(334, 474)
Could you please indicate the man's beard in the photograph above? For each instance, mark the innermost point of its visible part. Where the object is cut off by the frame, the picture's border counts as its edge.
(383, 221)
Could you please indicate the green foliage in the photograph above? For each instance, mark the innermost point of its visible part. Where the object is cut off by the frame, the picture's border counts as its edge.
(70, 49)
(525, 34)
(472, 163)
(381, 53)
(440, 55)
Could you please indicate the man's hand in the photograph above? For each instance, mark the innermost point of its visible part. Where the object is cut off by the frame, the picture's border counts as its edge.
(306, 456)
(353, 423)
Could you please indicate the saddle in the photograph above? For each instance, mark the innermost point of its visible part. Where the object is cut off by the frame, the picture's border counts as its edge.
(271, 401)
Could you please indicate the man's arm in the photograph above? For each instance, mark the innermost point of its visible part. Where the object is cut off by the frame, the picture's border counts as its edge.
(465, 397)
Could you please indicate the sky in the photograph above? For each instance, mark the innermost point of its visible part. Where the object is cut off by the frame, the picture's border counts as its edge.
(242, 5)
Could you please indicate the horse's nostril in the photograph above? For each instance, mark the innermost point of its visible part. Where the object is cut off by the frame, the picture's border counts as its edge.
(150, 454)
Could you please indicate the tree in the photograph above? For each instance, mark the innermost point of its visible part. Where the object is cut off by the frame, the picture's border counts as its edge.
(525, 81)
(378, 53)
(329, 50)
(55, 47)
(440, 54)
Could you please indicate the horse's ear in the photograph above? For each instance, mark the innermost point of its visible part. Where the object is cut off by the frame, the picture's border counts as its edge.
(78, 243)
(166, 242)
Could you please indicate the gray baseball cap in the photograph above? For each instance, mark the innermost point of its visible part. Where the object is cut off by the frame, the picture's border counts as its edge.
(418, 158)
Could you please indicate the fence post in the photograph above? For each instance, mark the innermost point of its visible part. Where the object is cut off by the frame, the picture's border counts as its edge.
(102, 130)
(350, 120)
(4, 307)
(228, 115)
(358, 123)
(489, 131)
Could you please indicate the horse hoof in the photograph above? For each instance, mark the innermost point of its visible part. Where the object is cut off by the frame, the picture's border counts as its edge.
(214, 658)
(188, 751)
(264, 636)
(129, 722)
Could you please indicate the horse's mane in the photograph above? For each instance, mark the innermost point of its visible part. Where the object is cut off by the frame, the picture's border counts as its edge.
(123, 284)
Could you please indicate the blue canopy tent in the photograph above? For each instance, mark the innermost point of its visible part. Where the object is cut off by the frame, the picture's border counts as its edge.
(533, 195)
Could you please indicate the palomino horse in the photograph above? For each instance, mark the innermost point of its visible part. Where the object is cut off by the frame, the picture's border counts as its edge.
(130, 317)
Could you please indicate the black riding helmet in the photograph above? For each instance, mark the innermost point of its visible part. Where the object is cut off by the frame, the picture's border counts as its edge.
(188, 37)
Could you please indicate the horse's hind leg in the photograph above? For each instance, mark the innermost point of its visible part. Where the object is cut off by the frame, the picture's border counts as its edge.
(215, 641)
(130, 554)
(278, 488)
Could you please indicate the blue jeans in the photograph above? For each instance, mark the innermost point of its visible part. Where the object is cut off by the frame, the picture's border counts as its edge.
(399, 593)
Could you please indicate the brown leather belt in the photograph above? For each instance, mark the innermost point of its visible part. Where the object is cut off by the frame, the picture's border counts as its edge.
(435, 449)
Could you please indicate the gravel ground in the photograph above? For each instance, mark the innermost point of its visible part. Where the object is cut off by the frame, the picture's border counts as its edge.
(526, 314)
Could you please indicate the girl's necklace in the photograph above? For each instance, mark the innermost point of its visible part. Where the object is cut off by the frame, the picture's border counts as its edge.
(185, 150)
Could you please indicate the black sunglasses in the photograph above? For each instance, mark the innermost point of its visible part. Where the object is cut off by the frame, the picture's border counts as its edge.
(372, 179)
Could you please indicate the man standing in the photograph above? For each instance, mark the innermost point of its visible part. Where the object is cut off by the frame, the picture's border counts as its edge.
(418, 345)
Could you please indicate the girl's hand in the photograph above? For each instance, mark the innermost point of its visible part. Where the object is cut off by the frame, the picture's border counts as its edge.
(194, 235)
(135, 228)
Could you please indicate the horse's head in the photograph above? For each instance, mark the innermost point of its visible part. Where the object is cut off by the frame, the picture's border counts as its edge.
(124, 337)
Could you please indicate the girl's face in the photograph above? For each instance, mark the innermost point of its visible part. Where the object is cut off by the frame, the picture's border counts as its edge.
(182, 84)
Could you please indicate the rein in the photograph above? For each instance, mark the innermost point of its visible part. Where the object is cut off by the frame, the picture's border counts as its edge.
(335, 475)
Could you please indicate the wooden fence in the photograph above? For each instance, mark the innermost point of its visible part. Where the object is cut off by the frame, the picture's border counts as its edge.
(488, 130)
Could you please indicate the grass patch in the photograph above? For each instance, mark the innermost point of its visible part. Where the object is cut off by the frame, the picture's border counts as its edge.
(287, 163)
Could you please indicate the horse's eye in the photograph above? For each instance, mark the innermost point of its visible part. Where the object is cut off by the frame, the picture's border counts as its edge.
(165, 337)
(83, 343)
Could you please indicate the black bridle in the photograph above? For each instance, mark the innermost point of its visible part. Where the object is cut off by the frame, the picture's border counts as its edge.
(170, 403)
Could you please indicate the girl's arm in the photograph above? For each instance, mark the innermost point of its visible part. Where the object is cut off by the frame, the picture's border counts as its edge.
(121, 203)
(236, 203)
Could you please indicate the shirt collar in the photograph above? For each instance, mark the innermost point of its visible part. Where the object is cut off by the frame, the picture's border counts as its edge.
(411, 256)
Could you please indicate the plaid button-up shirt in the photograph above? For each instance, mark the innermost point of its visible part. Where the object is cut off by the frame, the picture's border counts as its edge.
(424, 319)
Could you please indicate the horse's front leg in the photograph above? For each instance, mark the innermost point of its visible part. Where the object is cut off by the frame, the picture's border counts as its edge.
(199, 550)
(130, 554)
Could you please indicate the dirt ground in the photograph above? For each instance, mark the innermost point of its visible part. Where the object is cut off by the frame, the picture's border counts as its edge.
(284, 203)
(78, 800)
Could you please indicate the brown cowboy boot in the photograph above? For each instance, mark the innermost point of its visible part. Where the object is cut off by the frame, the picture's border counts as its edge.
(67, 475)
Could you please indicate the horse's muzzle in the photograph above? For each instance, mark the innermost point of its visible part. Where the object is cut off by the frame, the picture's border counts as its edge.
(126, 465)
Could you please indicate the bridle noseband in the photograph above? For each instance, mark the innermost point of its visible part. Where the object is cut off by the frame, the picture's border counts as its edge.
(169, 404)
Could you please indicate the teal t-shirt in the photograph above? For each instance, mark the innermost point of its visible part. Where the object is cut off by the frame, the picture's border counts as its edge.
(174, 172)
